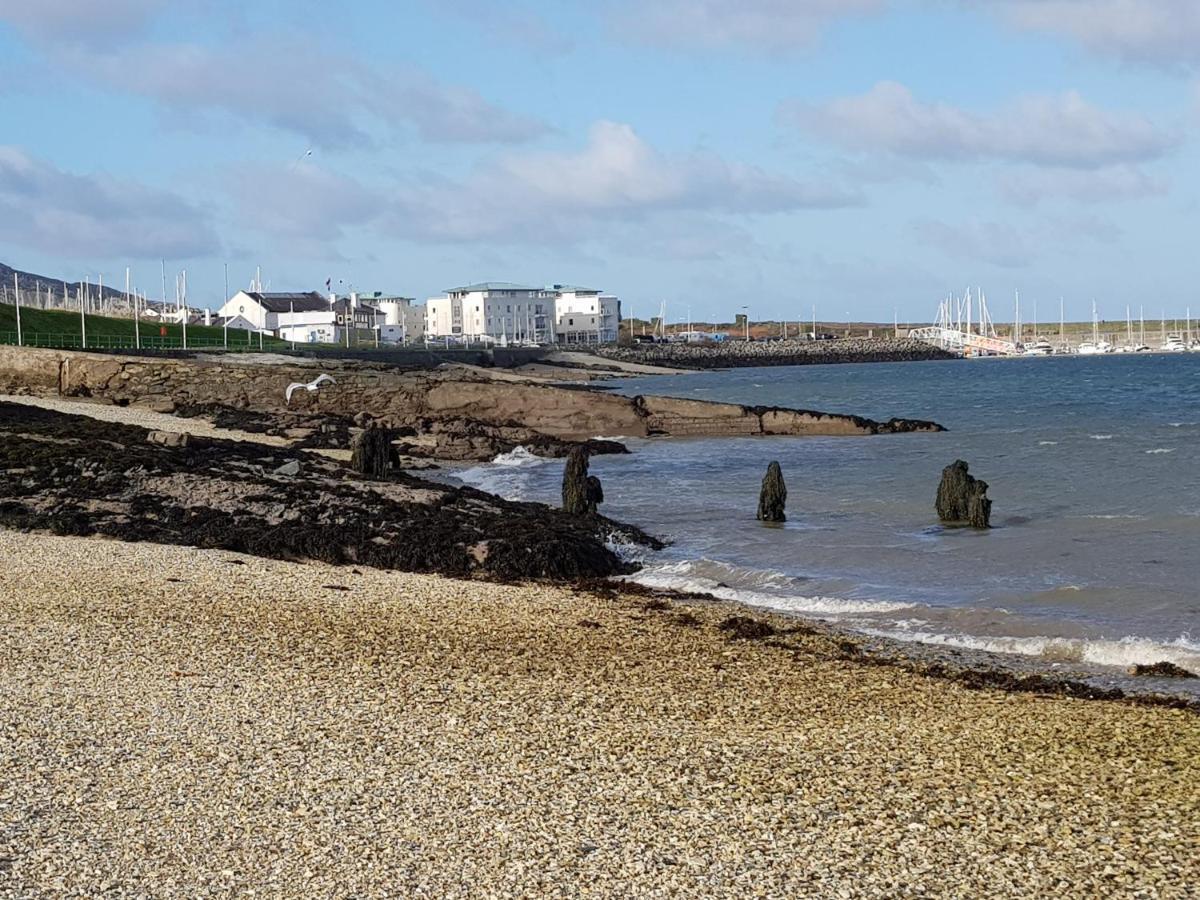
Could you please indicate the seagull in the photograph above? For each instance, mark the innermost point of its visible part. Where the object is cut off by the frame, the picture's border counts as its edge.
(311, 387)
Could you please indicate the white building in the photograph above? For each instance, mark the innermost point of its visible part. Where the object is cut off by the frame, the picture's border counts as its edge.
(584, 316)
(403, 320)
(492, 311)
(271, 312)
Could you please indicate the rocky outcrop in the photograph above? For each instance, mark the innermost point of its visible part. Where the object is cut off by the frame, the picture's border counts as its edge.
(732, 354)
(962, 498)
(773, 497)
(463, 414)
(80, 476)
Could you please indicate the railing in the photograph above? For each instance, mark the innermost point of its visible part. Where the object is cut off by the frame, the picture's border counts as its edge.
(67, 341)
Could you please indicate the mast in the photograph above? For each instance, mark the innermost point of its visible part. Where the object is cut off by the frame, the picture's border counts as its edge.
(1062, 322)
(17, 300)
(1128, 325)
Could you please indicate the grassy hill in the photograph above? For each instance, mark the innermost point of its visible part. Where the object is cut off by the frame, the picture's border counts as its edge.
(53, 328)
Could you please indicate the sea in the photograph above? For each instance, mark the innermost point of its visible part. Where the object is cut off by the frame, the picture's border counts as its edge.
(1093, 466)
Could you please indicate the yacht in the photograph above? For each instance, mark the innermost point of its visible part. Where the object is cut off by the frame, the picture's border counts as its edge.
(1173, 344)
(1040, 347)
(1093, 348)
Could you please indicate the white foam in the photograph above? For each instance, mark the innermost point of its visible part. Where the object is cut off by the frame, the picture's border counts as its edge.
(1101, 437)
(1161, 450)
(518, 457)
(1127, 651)
(1047, 443)
(683, 576)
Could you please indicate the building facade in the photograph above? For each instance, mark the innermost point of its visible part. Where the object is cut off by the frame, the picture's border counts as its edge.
(504, 312)
(584, 315)
(403, 319)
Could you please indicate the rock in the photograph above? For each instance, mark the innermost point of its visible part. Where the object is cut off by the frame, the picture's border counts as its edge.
(1162, 669)
(362, 419)
(576, 489)
(167, 438)
(773, 496)
(372, 452)
(962, 499)
(747, 629)
(290, 468)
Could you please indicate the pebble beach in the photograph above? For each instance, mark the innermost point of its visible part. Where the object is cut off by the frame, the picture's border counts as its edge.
(176, 722)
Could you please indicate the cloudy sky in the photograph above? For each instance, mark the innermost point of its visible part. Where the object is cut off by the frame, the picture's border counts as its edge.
(859, 155)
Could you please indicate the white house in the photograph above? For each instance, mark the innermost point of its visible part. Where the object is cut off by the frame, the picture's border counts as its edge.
(269, 312)
(584, 316)
(492, 311)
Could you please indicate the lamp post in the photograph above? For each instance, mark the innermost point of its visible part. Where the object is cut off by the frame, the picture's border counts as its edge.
(747, 323)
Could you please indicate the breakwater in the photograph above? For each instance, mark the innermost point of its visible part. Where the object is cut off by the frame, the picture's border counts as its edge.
(731, 354)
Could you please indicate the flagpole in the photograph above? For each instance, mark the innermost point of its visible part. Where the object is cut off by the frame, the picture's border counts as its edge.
(225, 324)
(17, 300)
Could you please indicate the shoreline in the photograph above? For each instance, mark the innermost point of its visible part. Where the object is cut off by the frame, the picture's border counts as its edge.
(370, 727)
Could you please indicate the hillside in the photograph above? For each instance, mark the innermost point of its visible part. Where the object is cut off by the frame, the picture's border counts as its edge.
(29, 281)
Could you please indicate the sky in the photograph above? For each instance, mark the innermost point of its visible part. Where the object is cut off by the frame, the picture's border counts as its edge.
(863, 157)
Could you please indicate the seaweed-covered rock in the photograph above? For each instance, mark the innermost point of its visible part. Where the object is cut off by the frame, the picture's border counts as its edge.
(595, 493)
(373, 453)
(962, 498)
(773, 496)
(1163, 669)
(575, 487)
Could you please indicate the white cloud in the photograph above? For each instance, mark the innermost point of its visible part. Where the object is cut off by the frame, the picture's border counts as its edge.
(330, 99)
(755, 25)
(1062, 130)
(79, 20)
(615, 184)
(60, 213)
(616, 176)
(1028, 187)
(1160, 32)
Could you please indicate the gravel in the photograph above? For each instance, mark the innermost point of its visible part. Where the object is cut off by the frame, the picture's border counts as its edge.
(176, 722)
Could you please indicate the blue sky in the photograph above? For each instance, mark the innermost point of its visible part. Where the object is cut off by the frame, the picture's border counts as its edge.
(862, 156)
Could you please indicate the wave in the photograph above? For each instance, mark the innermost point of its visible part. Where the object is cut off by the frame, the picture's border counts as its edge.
(769, 590)
(1047, 443)
(1101, 437)
(1122, 653)
(1161, 450)
(506, 475)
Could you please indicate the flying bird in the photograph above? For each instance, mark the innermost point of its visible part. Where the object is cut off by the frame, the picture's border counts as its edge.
(311, 387)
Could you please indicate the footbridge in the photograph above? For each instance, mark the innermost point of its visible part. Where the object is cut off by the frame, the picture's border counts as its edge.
(957, 330)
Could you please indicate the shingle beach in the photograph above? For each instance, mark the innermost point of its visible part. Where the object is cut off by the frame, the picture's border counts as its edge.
(192, 723)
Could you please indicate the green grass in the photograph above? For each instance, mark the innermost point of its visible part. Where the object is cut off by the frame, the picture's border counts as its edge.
(53, 328)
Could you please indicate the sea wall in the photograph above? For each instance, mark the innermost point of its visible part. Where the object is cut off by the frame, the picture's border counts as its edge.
(731, 354)
(428, 402)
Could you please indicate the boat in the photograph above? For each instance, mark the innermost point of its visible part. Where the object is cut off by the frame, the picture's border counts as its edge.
(1096, 345)
(1040, 347)
(1173, 344)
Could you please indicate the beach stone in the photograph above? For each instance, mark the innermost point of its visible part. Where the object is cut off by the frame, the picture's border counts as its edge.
(291, 468)
(773, 496)
(372, 452)
(167, 438)
(576, 489)
(962, 498)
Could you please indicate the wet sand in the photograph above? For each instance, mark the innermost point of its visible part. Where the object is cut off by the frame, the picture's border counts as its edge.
(182, 722)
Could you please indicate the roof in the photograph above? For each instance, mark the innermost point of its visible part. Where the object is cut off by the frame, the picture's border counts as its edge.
(491, 286)
(342, 303)
(571, 289)
(280, 302)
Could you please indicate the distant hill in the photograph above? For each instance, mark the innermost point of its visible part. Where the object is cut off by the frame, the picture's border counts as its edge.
(31, 282)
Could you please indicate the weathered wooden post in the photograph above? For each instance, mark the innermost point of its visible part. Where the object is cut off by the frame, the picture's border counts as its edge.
(575, 484)
(962, 499)
(773, 496)
(373, 454)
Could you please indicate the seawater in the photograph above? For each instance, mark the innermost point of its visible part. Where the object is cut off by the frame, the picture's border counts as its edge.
(1092, 467)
